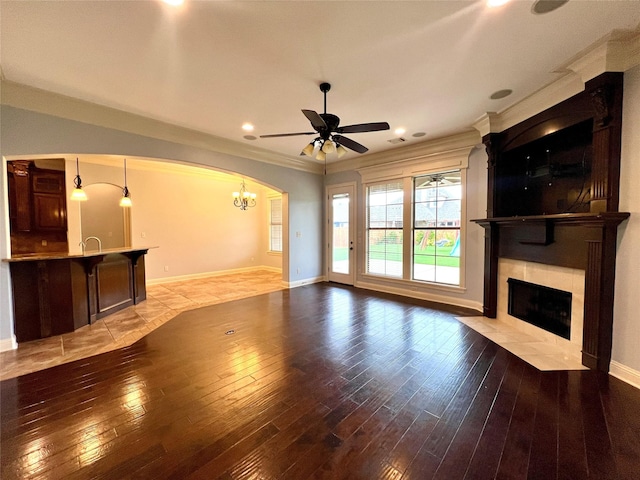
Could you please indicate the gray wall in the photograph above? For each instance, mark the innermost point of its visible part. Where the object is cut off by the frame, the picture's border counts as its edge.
(29, 133)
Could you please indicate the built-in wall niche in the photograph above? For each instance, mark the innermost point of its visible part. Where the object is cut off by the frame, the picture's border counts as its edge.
(548, 176)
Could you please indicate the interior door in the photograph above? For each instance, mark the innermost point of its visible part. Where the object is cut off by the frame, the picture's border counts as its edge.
(341, 233)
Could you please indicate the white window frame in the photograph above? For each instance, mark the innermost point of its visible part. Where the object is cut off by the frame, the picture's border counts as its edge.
(407, 170)
(386, 228)
(440, 227)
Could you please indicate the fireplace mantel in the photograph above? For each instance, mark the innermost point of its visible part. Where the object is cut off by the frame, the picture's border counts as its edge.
(561, 211)
(586, 241)
(584, 219)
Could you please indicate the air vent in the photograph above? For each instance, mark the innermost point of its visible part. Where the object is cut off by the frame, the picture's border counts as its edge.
(396, 140)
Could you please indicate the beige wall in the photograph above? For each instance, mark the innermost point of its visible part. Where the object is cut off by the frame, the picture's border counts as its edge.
(186, 212)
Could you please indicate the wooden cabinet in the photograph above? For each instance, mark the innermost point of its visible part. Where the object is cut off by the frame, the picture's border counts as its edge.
(53, 295)
(49, 202)
(37, 206)
(49, 212)
(19, 196)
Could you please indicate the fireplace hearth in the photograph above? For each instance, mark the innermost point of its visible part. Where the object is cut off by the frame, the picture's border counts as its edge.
(544, 307)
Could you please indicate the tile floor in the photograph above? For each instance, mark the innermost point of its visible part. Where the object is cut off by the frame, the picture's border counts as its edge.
(165, 301)
(534, 350)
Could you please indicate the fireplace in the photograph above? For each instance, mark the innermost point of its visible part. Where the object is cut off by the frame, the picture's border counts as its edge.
(544, 307)
(552, 277)
(570, 219)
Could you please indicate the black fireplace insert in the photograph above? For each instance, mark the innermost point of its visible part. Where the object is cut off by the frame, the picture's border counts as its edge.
(544, 307)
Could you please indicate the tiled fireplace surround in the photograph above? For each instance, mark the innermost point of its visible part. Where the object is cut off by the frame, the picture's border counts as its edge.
(567, 279)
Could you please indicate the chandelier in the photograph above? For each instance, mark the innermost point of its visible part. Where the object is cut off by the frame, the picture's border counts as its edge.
(244, 199)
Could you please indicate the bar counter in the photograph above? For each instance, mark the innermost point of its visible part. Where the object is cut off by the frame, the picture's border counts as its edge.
(55, 293)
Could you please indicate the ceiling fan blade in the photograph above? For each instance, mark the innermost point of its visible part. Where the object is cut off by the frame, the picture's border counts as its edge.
(350, 144)
(364, 127)
(316, 120)
(287, 134)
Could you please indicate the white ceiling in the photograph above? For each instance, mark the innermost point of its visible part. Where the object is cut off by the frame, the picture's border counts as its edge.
(427, 66)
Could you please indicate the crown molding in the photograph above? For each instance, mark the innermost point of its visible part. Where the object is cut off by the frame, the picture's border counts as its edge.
(564, 87)
(617, 52)
(33, 99)
(436, 162)
(418, 152)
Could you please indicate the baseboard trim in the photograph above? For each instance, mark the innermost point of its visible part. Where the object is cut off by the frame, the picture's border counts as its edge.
(306, 281)
(624, 373)
(195, 276)
(430, 297)
(7, 344)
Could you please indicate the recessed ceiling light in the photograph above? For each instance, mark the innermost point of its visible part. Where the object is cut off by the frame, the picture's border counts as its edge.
(250, 137)
(247, 127)
(545, 6)
(400, 131)
(419, 134)
(496, 3)
(501, 94)
(175, 3)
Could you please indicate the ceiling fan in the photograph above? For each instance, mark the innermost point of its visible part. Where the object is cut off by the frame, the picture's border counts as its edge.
(327, 127)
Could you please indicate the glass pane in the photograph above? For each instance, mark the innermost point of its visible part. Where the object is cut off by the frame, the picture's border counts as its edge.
(276, 238)
(394, 216)
(384, 225)
(424, 258)
(377, 216)
(448, 213)
(437, 199)
(384, 252)
(436, 256)
(340, 238)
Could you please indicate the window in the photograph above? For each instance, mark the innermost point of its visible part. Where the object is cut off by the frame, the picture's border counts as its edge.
(428, 248)
(275, 224)
(437, 202)
(385, 229)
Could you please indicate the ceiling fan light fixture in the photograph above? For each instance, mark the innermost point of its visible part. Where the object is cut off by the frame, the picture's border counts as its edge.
(341, 151)
(308, 150)
(328, 147)
(327, 126)
(321, 156)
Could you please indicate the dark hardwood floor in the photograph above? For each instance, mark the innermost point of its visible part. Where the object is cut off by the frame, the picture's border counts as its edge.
(320, 382)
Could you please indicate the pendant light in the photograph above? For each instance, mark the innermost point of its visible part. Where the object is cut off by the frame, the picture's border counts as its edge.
(125, 201)
(78, 194)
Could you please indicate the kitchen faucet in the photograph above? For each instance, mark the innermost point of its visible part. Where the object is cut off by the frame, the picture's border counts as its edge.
(84, 244)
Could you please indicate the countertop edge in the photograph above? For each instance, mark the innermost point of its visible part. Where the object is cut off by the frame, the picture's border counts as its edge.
(63, 256)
